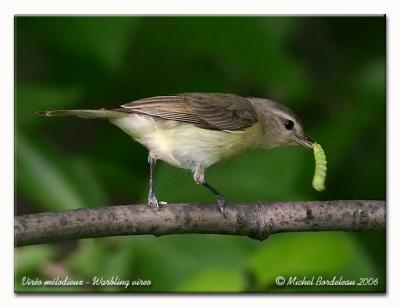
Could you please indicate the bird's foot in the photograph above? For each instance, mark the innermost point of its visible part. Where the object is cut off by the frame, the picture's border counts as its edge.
(153, 201)
(221, 202)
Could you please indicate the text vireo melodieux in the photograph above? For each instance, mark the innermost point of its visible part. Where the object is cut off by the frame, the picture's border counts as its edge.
(196, 130)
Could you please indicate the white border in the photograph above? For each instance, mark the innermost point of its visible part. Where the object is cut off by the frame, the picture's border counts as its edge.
(282, 7)
(200, 7)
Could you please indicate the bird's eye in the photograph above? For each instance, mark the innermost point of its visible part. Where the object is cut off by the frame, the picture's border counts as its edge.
(289, 124)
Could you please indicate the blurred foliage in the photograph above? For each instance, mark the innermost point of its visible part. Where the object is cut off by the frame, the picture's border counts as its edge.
(330, 70)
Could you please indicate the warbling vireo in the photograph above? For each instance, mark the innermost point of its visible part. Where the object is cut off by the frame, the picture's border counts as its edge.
(195, 130)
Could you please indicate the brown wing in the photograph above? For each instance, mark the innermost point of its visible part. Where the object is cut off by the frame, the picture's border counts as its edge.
(208, 111)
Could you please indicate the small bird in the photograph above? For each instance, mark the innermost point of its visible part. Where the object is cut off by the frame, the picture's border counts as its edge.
(196, 130)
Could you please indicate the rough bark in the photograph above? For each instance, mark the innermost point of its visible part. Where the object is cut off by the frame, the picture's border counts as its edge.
(256, 220)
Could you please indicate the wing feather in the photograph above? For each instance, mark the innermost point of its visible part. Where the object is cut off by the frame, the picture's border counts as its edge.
(208, 111)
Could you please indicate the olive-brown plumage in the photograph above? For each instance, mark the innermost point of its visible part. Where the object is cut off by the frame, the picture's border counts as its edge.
(195, 130)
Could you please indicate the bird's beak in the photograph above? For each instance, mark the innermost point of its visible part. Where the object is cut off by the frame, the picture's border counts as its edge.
(304, 141)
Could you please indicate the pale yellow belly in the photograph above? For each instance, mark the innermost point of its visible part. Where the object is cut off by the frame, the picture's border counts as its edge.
(184, 145)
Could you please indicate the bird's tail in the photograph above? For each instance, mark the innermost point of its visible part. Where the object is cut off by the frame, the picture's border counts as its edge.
(100, 113)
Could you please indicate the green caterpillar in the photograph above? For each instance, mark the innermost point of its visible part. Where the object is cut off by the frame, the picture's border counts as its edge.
(318, 181)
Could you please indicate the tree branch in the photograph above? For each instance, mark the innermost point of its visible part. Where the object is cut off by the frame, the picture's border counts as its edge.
(257, 220)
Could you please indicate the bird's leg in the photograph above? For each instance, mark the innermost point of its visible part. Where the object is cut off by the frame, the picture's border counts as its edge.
(152, 198)
(198, 176)
(221, 200)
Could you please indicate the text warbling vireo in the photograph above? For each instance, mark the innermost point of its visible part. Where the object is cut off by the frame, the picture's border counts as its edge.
(195, 130)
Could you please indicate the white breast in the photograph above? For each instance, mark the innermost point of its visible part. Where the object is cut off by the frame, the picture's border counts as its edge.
(181, 144)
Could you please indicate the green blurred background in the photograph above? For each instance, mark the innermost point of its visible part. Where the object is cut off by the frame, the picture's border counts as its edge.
(330, 70)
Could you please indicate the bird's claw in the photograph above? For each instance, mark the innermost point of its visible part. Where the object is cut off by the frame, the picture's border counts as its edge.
(152, 201)
(221, 202)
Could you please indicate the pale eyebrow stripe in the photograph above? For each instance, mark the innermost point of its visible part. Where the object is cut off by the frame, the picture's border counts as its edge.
(285, 115)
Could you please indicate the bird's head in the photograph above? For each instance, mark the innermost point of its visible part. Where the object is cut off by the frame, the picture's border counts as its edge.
(282, 127)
